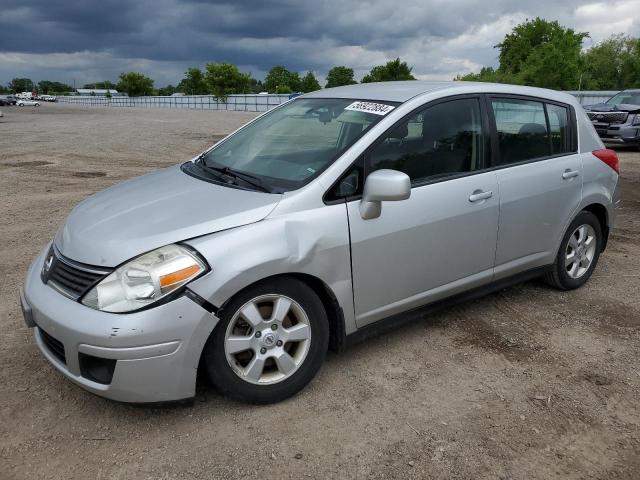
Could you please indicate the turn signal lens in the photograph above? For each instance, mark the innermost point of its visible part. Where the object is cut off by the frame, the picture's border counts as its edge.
(177, 277)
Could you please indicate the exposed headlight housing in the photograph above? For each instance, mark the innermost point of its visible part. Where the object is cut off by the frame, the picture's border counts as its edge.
(145, 280)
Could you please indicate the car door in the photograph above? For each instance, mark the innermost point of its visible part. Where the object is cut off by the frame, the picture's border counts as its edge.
(540, 178)
(442, 239)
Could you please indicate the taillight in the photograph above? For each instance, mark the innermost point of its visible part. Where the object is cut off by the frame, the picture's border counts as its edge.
(609, 157)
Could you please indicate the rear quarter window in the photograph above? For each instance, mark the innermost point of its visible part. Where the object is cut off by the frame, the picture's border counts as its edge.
(559, 129)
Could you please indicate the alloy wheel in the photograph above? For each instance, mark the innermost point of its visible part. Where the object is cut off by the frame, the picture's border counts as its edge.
(580, 251)
(267, 339)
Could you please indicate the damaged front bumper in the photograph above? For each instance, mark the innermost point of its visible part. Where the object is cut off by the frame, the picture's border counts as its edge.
(146, 356)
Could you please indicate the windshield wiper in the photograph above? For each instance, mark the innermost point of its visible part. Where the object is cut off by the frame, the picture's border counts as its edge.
(252, 180)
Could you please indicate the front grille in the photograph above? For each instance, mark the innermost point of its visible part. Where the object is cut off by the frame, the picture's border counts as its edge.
(608, 117)
(68, 277)
(54, 345)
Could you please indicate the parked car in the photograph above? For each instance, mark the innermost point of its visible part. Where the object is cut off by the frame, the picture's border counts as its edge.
(28, 103)
(1, 114)
(48, 98)
(338, 214)
(6, 100)
(617, 120)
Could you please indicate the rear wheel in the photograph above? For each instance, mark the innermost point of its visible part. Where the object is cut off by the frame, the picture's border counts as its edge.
(579, 253)
(271, 340)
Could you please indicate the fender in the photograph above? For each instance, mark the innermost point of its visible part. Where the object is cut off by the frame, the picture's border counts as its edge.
(313, 242)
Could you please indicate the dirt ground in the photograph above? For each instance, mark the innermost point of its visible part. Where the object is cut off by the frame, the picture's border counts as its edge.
(526, 383)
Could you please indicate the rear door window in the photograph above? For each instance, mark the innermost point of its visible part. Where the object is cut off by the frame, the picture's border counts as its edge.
(522, 130)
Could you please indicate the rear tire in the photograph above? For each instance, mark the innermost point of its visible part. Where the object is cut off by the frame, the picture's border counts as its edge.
(271, 340)
(578, 253)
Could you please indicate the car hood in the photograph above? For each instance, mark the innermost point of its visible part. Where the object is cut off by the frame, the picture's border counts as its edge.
(603, 107)
(153, 210)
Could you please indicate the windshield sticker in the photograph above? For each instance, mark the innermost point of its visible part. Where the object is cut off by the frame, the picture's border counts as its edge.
(370, 107)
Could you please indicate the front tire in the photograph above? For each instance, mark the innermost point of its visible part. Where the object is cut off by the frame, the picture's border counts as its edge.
(271, 340)
(578, 254)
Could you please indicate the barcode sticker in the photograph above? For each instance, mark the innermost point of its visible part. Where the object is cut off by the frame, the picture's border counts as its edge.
(370, 107)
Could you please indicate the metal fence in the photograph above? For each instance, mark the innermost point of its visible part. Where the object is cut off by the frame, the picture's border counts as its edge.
(243, 103)
(592, 97)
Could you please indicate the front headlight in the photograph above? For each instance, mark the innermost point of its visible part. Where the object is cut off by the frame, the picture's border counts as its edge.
(145, 280)
(636, 119)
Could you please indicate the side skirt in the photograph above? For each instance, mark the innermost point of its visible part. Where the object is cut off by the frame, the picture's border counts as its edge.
(390, 323)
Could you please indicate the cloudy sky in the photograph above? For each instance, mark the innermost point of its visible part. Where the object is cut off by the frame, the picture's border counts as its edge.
(91, 40)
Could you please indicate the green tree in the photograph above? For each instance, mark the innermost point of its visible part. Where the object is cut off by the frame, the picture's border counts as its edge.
(339, 76)
(3, 90)
(532, 40)
(542, 53)
(486, 74)
(309, 83)
(18, 85)
(104, 85)
(613, 64)
(257, 86)
(167, 91)
(48, 87)
(281, 80)
(224, 79)
(538, 53)
(193, 82)
(135, 84)
(390, 72)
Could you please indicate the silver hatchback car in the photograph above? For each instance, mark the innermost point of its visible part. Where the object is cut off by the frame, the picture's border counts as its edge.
(340, 213)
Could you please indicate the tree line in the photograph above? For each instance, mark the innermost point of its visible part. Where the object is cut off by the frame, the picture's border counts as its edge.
(536, 52)
(224, 79)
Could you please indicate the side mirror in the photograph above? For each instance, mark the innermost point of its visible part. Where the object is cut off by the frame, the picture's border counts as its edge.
(383, 186)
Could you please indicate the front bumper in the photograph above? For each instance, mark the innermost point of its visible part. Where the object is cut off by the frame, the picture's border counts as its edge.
(623, 134)
(155, 352)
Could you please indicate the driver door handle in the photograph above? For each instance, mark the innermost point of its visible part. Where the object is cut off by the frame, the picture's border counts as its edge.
(479, 195)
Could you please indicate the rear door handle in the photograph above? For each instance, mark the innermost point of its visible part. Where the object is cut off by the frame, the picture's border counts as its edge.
(570, 174)
(479, 195)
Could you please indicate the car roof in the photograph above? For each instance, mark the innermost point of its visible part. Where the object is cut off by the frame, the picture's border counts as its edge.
(390, 91)
(405, 90)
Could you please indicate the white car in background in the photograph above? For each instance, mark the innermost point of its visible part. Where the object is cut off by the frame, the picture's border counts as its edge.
(28, 103)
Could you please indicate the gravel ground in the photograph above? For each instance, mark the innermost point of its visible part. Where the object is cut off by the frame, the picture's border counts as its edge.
(526, 383)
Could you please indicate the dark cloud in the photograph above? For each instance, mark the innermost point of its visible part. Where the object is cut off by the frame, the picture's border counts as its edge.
(439, 37)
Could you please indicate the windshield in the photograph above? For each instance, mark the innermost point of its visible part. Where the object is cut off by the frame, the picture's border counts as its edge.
(287, 147)
(625, 97)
